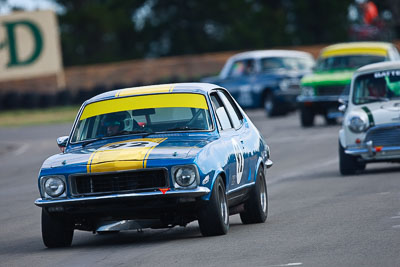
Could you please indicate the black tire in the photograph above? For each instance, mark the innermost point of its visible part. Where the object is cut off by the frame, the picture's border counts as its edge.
(57, 231)
(214, 216)
(348, 164)
(256, 207)
(270, 105)
(330, 121)
(306, 117)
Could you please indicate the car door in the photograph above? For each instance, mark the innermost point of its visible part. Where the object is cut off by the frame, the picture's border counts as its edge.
(242, 136)
(233, 134)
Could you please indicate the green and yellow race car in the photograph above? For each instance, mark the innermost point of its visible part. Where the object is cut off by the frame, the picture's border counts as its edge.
(320, 91)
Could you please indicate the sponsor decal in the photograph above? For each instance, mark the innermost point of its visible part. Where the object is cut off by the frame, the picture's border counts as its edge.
(239, 161)
(387, 73)
(206, 180)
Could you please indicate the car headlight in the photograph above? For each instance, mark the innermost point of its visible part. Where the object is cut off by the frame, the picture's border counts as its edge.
(284, 84)
(307, 91)
(186, 176)
(357, 124)
(53, 186)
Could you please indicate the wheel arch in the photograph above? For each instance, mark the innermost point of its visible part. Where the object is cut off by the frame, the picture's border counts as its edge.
(260, 165)
(217, 173)
(264, 92)
(342, 138)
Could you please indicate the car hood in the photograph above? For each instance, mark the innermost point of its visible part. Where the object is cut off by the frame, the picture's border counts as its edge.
(128, 154)
(328, 78)
(383, 112)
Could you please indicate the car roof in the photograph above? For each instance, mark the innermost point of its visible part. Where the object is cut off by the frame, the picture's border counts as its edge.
(199, 88)
(381, 66)
(270, 53)
(378, 48)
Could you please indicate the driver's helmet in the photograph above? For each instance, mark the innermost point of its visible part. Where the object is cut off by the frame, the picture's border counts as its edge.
(119, 119)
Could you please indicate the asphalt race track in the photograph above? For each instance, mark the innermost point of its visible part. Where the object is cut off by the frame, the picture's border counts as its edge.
(316, 216)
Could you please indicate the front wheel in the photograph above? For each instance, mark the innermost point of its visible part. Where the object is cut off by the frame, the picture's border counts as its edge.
(270, 105)
(56, 231)
(306, 117)
(348, 164)
(214, 216)
(256, 207)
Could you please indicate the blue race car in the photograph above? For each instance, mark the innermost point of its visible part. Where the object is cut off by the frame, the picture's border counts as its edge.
(265, 78)
(155, 157)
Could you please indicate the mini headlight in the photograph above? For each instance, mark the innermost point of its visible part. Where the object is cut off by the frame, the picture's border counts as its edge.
(357, 124)
(307, 91)
(185, 176)
(54, 186)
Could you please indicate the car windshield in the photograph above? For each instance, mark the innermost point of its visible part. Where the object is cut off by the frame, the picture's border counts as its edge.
(143, 114)
(378, 86)
(289, 63)
(347, 62)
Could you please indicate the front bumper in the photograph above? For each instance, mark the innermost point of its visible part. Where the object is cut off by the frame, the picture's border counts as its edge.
(369, 153)
(317, 99)
(287, 98)
(325, 105)
(192, 193)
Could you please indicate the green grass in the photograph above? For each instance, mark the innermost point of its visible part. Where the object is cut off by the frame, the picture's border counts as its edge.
(24, 117)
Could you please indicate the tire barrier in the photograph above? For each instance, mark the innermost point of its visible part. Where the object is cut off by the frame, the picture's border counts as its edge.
(12, 100)
(81, 96)
(64, 98)
(1, 101)
(30, 100)
(99, 89)
(47, 100)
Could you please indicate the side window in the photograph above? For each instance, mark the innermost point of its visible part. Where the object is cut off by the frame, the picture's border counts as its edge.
(242, 68)
(221, 113)
(232, 109)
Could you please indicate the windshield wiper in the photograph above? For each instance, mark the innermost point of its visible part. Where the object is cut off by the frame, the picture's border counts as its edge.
(91, 141)
(143, 132)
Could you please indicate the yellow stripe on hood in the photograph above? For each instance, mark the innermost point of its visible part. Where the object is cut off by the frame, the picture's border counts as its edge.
(124, 155)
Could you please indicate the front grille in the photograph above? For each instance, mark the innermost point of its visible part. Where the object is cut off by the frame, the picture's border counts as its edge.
(117, 182)
(329, 90)
(384, 135)
(294, 87)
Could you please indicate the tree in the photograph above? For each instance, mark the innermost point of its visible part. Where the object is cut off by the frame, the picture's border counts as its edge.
(96, 31)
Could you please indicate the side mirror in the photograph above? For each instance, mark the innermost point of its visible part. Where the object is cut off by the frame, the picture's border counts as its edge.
(62, 142)
(343, 106)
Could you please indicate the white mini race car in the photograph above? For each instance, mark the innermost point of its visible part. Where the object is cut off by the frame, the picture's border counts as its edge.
(371, 126)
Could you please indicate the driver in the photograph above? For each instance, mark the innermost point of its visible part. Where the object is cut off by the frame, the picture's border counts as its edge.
(377, 87)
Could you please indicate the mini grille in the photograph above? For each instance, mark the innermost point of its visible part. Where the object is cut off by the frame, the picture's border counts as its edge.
(94, 184)
(329, 90)
(384, 136)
